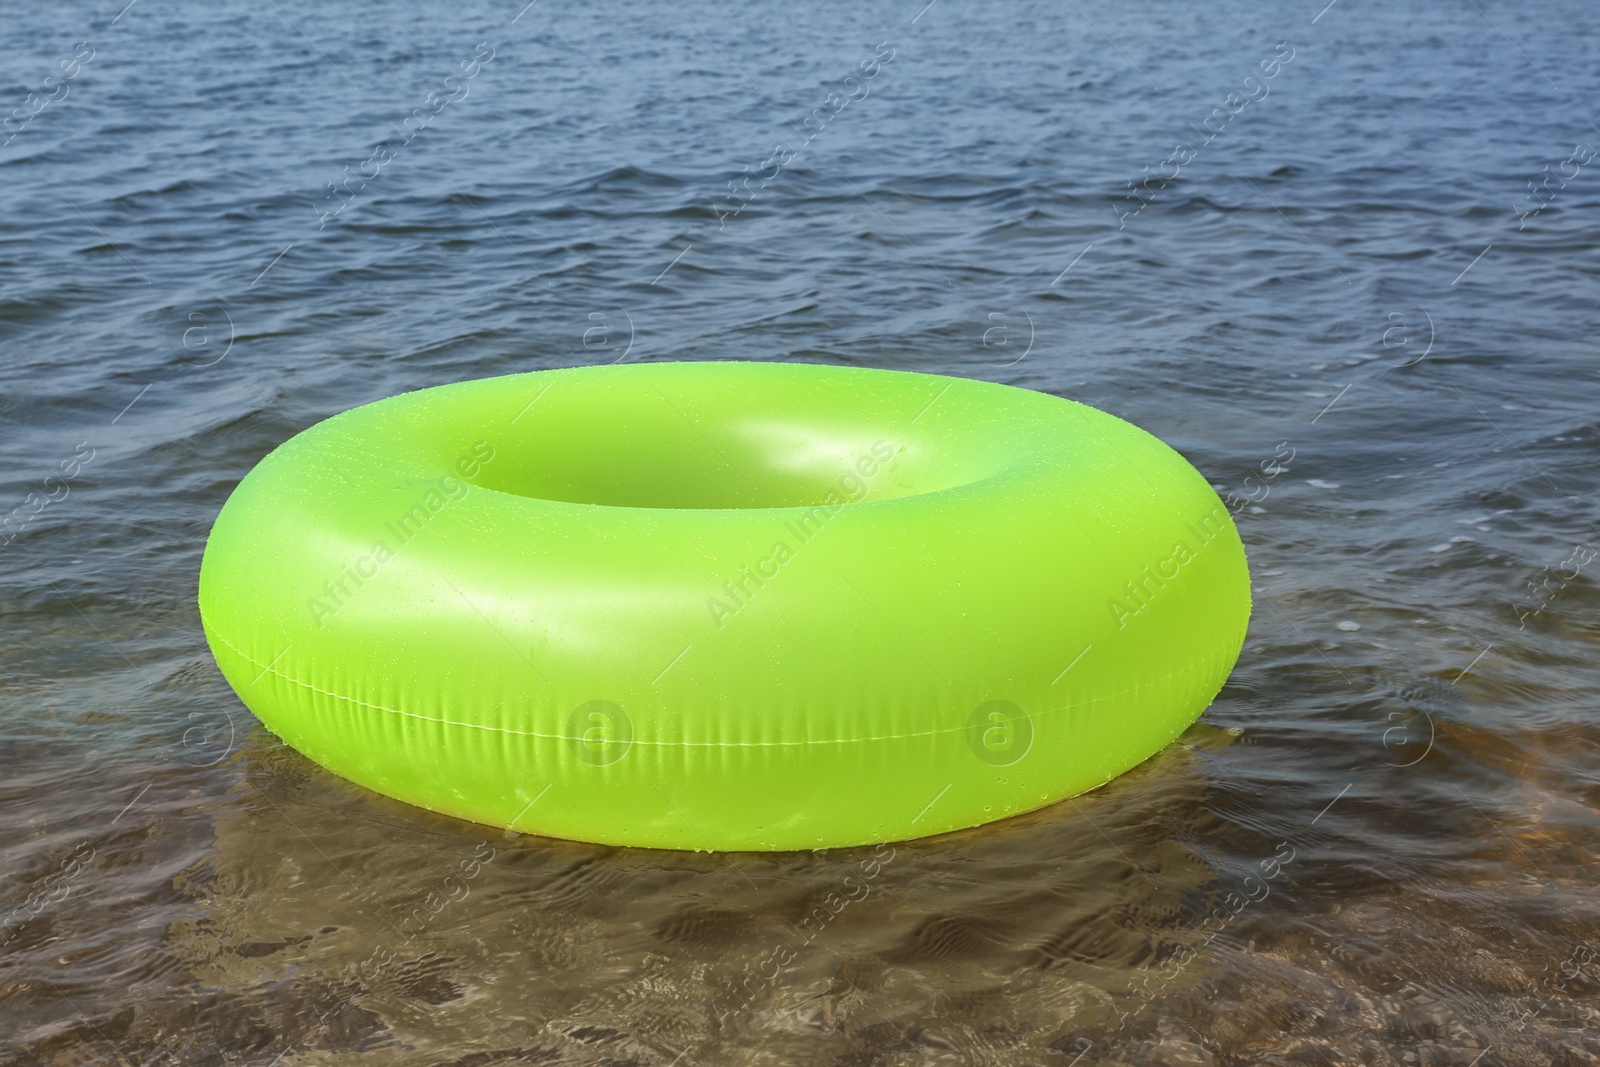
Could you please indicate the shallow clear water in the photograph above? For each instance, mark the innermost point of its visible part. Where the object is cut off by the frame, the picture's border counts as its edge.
(1348, 309)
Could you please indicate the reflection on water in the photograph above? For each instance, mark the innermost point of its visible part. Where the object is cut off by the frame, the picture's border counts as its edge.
(405, 933)
(1365, 309)
(1161, 917)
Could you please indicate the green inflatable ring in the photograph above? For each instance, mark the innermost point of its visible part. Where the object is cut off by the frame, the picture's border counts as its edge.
(725, 605)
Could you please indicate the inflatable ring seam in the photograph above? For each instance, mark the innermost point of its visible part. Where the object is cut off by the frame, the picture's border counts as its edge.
(268, 669)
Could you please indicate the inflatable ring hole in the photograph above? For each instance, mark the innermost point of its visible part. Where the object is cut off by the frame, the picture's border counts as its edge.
(642, 449)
